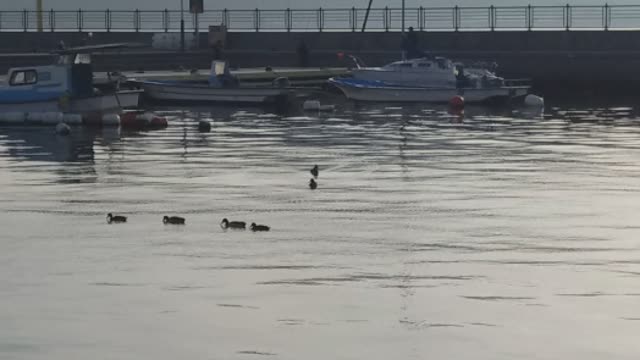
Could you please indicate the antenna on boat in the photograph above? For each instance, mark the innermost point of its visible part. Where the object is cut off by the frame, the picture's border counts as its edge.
(366, 16)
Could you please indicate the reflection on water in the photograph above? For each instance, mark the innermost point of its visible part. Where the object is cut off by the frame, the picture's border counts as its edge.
(432, 234)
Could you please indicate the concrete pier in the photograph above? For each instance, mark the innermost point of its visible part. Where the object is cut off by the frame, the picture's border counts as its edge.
(581, 59)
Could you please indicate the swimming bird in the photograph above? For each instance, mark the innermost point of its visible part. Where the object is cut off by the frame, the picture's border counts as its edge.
(313, 184)
(315, 171)
(174, 220)
(226, 224)
(116, 219)
(255, 227)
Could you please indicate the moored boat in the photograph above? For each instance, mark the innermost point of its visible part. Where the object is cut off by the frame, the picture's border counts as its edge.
(222, 87)
(65, 86)
(434, 80)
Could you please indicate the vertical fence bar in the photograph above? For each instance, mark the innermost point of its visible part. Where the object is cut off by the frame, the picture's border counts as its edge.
(287, 19)
(136, 20)
(385, 19)
(421, 18)
(256, 20)
(605, 17)
(25, 20)
(354, 19)
(79, 20)
(456, 18)
(165, 20)
(492, 18)
(320, 19)
(52, 20)
(567, 17)
(1, 20)
(529, 17)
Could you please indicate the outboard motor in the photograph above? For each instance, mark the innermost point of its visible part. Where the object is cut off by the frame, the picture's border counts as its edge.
(281, 82)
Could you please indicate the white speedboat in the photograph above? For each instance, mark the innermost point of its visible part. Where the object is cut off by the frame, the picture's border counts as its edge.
(66, 86)
(222, 87)
(434, 80)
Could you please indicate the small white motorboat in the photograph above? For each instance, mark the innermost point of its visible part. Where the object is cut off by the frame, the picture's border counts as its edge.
(66, 86)
(222, 87)
(434, 80)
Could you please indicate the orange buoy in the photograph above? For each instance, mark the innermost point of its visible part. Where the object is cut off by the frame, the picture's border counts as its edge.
(456, 102)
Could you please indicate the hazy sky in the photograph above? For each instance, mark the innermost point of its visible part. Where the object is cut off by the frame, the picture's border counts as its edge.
(263, 4)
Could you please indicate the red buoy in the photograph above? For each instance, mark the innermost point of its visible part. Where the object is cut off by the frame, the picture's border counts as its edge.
(457, 102)
(158, 122)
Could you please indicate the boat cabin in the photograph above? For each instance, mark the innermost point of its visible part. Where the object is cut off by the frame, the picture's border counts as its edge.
(72, 75)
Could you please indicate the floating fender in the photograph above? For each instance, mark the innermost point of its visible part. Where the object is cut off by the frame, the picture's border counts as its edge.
(110, 120)
(63, 129)
(456, 102)
(12, 118)
(158, 122)
(533, 101)
(72, 119)
(129, 120)
(311, 105)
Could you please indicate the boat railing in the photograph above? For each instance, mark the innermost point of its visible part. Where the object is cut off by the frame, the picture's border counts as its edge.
(517, 82)
(456, 18)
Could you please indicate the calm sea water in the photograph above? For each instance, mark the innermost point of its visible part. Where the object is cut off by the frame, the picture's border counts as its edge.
(498, 236)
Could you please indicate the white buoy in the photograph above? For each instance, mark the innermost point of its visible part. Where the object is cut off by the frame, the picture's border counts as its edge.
(63, 129)
(533, 101)
(12, 117)
(311, 105)
(110, 120)
(72, 119)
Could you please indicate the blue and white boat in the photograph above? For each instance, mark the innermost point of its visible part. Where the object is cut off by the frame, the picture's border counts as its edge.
(430, 80)
(66, 86)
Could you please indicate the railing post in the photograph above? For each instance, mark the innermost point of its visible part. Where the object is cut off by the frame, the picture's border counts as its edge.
(421, 18)
(0, 20)
(456, 18)
(136, 20)
(25, 20)
(287, 19)
(320, 19)
(225, 18)
(107, 20)
(79, 20)
(567, 17)
(165, 19)
(52, 20)
(256, 20)
(492, 18)
(605, 17)
(385, 19)
(354, 19)
(529, 19)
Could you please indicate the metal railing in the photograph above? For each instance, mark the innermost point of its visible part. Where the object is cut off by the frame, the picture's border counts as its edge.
(492, 18)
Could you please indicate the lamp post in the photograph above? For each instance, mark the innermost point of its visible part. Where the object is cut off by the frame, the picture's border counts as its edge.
(39, 15)
(182, 25)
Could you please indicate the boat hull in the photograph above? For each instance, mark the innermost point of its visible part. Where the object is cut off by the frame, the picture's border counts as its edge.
(380, 93)
(178, 93)
(100, 103)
